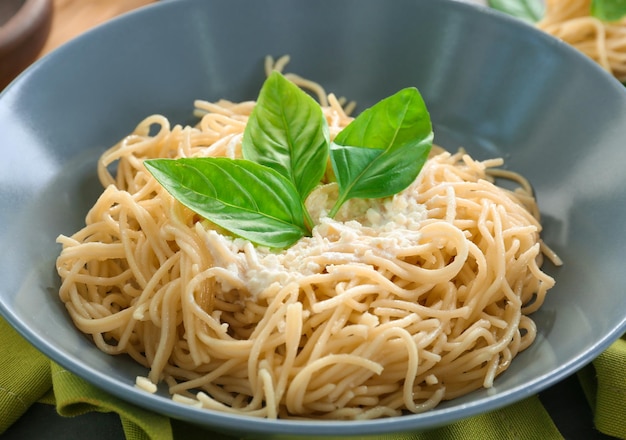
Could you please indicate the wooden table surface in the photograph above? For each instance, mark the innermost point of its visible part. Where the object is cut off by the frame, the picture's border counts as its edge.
(73, 17)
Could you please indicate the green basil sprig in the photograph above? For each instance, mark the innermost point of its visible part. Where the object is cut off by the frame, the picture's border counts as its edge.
(286, 148)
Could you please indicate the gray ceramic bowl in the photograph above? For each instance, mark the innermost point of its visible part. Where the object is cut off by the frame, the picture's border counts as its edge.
(493, 85)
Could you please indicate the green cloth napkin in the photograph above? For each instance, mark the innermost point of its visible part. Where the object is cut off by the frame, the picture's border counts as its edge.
(27, 376)
(604, 385)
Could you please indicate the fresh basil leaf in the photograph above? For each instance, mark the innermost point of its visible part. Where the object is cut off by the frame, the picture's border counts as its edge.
(528, 10)
(382, 150)
(608, 10)
(394, 122)
(249, 200)
(373, 173)
(352, 161)
(287, 131)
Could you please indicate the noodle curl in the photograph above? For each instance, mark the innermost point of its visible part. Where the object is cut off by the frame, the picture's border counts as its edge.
(604, 42)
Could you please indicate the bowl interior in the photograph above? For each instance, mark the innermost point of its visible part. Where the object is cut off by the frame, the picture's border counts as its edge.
(493, 85)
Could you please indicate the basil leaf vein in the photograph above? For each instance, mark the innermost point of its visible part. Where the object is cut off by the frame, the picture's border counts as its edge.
(287, 131)
(248, 199)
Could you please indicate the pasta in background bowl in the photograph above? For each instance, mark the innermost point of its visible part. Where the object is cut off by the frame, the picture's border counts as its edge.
(510, 91)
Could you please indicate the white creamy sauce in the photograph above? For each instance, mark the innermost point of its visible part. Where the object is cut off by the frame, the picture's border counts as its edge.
(383, 226)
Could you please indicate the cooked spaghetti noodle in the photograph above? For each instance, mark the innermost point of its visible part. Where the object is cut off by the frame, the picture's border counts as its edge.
(392, 307)
(604, 42)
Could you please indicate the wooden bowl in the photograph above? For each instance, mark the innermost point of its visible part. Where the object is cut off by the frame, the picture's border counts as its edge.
(24, 28)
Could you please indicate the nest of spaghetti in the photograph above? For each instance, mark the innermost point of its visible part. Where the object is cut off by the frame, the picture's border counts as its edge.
(391, 307)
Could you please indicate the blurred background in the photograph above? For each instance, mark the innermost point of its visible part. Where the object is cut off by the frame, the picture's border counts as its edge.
(30, 29)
